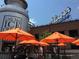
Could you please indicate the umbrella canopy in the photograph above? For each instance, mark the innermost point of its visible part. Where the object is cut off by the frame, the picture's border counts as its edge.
(34, 42)
(14, 34)
(43, 44)
(58, 37)
(61, 44)
(76, 42)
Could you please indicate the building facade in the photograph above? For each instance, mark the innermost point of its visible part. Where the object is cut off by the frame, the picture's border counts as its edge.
(70, 28)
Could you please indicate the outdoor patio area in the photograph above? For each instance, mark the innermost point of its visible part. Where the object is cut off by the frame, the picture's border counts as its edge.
(18, 44)
(39, 29)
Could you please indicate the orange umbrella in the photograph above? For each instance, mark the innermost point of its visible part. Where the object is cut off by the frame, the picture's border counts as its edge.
(14, 34)
(58, 37)
(43, 44)
(61, 44)
(34, 42)
(53, 38)
(76, 42)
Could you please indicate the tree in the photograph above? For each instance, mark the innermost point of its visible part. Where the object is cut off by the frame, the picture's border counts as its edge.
(42, 36)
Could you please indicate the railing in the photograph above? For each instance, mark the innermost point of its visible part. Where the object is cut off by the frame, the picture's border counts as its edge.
(6, 55)
(69, 54)
(72, 54)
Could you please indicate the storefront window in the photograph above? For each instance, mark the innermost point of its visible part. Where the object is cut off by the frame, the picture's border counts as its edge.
(73, 33)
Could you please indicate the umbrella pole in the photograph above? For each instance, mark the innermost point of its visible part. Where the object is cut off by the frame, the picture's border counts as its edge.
(58, 51)
(64, 52)
(15, 43)
(15, 38)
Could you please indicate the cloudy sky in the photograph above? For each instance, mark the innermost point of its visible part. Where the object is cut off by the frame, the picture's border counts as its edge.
(41, 11)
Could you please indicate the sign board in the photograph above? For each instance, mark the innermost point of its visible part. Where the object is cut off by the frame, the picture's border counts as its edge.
(11, 22)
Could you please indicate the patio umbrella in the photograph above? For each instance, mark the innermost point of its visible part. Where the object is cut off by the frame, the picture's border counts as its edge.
(58, 37)
(15, 34)
(61, 44)
(76, 42)
(43, 44)
(33, 42)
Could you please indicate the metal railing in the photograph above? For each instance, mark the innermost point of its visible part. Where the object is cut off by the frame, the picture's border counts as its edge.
(70, 55)
(6, 55)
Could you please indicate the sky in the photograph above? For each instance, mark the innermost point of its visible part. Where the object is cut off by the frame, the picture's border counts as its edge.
(42, 11)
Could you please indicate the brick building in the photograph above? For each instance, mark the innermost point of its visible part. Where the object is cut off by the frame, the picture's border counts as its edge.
(70, 28)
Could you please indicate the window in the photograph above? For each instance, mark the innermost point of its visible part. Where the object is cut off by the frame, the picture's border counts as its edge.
(37, 36)
(73, 33)
(61, 32)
